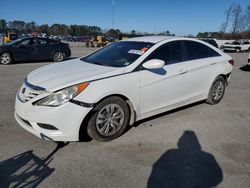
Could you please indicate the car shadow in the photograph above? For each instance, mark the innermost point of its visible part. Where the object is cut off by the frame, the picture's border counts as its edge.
(245, 68)
(26, 169)
(186, 166)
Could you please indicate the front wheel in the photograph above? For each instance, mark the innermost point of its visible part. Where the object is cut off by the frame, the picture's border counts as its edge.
(6, 59)
(216, 91)
(109, 120)
(58, 56)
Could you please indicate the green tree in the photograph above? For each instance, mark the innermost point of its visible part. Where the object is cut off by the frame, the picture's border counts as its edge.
(133, 32)
(18, 25)
(43, 28)
(3, 25)
(115, 33)
(30, 27)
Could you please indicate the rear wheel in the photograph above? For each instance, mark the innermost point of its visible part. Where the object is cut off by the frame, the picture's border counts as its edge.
(110, 119)
(217, 90)
(58, 56)
(6, 59)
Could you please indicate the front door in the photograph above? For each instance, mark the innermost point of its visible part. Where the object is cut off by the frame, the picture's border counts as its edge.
(24, 50)
(164, 87)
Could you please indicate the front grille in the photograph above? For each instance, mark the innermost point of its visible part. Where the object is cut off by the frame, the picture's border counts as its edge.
(29, 91)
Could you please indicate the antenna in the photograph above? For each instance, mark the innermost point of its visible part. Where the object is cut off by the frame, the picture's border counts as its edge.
(113, 14)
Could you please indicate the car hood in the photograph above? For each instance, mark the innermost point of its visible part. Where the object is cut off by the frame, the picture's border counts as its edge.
(60, 75)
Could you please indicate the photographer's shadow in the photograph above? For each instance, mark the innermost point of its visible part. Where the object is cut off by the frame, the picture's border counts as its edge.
(26, 169)
(187, 166)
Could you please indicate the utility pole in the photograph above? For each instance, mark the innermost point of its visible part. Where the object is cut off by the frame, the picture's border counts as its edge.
(113, 14)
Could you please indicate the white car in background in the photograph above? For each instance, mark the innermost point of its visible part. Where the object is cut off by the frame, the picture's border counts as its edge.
(108, 90)
(237, 46)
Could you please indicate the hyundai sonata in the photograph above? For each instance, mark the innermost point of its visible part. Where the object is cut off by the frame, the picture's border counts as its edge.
(107, 91)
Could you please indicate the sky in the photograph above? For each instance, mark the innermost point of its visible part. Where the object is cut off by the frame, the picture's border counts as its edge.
(181, 17)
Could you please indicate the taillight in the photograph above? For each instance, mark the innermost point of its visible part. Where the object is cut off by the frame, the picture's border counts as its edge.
(231, 61)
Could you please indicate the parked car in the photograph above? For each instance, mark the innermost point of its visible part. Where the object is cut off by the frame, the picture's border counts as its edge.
(107, 91)
(211, 41)
(33, 49)
(237, 46)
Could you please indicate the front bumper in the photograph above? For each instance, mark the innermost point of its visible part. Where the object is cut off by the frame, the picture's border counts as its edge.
(67, 120)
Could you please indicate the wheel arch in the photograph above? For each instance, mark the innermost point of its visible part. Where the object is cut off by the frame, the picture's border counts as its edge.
(82, 133)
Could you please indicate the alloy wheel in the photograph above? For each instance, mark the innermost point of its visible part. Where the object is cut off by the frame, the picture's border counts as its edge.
(110, 119)
(218, 90)
(58, 56)
(5, 58)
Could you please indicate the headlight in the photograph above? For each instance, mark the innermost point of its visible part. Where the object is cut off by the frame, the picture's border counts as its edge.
(62, 96)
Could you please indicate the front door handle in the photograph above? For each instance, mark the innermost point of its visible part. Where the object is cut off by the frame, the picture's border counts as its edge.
(183, 71)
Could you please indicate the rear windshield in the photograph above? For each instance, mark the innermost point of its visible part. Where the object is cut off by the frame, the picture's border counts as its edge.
(236, 43)
(119, 54)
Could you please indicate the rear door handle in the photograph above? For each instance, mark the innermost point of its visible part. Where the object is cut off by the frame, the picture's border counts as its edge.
(213, 63)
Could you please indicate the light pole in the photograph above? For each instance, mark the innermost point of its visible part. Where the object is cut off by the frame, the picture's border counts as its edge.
(113, 14)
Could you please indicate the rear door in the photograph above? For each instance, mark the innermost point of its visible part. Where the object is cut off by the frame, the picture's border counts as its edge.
(201, 61)
(167, 86)
(44, 49)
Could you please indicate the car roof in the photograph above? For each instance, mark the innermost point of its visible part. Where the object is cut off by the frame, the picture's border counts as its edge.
(151, 39)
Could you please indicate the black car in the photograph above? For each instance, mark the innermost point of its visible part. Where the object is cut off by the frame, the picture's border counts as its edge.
(34, 49)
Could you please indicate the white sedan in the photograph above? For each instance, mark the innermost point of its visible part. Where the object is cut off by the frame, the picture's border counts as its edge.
(107, 91)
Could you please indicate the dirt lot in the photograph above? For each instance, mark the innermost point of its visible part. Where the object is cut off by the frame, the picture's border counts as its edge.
(200, 145)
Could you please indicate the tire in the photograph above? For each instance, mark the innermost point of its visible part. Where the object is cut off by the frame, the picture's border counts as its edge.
(216, 91)
(6, 59)
(58, 56)
(109, 120)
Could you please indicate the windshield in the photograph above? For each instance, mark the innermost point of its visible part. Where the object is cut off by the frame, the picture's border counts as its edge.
(119, 54)
(236, 43)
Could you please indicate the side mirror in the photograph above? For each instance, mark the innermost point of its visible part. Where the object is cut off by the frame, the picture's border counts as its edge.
(154, 64)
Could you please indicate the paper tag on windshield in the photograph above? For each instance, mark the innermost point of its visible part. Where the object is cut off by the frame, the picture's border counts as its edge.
(138, 52)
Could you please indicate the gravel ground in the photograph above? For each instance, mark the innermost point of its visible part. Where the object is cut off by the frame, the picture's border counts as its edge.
(196, 146)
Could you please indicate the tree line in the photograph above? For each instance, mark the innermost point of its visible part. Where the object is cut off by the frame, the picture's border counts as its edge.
(55, 29)
(74, 30)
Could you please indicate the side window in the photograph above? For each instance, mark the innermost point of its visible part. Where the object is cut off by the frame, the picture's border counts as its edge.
(170, 53)
(196, 50)
(52, 42)
(162, 53)
(246, 42)
(27, 42)
(176, 52)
